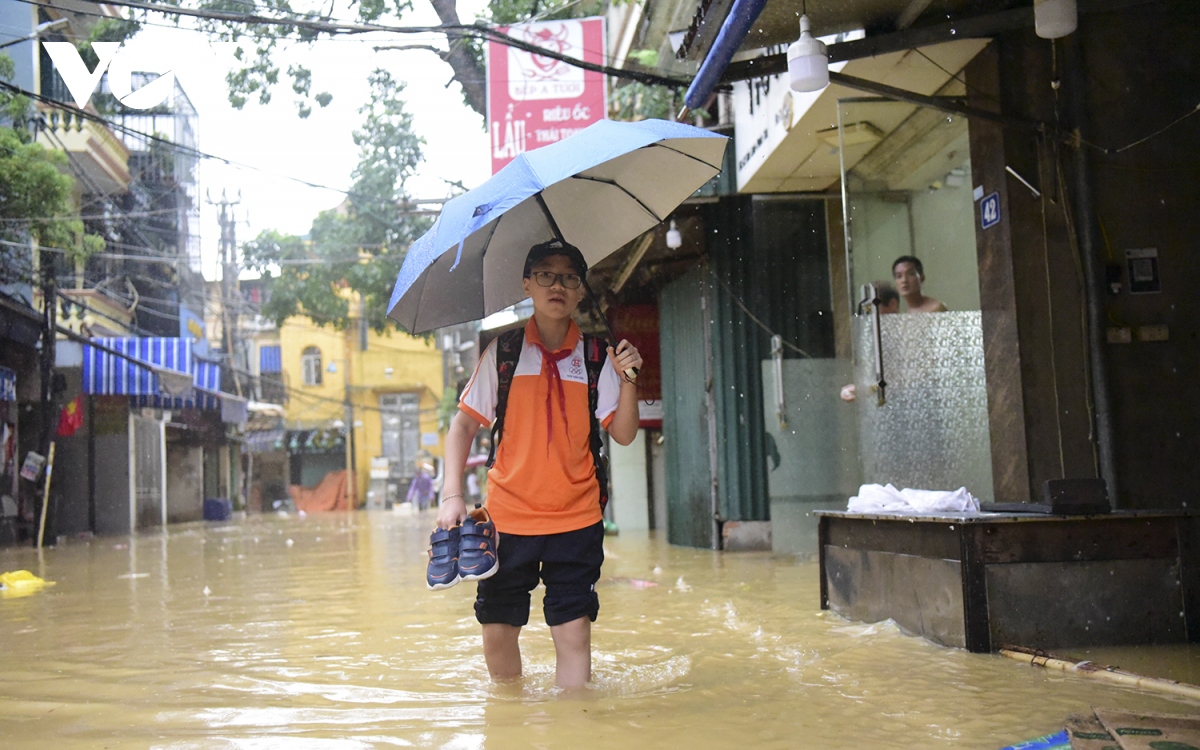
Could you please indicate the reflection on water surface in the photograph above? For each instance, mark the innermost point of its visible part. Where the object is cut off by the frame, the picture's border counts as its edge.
(318, 632)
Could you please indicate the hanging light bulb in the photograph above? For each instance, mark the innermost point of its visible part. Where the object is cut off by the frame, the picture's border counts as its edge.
(674, 237)
(808, 61)
(1053, 19)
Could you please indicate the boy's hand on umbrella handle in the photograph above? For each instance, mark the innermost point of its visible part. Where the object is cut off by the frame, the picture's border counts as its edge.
(451, 512)
(626, 359)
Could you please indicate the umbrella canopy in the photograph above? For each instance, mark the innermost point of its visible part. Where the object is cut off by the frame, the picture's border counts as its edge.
(597, 190)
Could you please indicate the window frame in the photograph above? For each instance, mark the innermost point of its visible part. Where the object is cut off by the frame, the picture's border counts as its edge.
(311, 375)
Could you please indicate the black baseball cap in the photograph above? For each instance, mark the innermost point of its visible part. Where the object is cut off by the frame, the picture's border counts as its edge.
(544, 250)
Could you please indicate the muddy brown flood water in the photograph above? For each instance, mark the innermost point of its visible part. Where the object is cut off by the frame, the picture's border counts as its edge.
(318, 632)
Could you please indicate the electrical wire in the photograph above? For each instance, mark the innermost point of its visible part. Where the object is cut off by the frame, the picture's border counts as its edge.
(309, 326)
(95, 189)
(737, 301)
(90, 217)
(171, 26)
(958, 77)
(1158, 132)
(333, 27)
(171, 145)
(352, 195)
(223, 357)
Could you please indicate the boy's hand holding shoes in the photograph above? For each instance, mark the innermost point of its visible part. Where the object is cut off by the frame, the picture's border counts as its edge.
(451, 512)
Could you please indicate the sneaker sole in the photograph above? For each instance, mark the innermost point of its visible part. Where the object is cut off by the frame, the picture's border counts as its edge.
(481, 576)
(488, 573)
(440, 586)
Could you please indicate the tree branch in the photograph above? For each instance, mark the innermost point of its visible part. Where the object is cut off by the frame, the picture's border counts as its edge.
(470, 74)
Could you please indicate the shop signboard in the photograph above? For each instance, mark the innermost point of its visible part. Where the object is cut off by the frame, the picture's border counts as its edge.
(534, 100)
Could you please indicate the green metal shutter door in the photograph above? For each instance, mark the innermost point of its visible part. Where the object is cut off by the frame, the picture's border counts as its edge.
(685, 425)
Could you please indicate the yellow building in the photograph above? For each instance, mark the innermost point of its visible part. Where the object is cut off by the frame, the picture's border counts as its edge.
(392, 382)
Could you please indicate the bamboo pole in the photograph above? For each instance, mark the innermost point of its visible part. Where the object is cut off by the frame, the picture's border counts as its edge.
(1105, 673)
(46, 496)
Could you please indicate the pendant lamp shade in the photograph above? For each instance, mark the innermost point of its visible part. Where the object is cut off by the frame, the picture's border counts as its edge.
(808, 61)
(674, 237)
(1053, 19)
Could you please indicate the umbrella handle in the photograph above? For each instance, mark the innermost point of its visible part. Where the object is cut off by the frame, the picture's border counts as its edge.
(632, 372)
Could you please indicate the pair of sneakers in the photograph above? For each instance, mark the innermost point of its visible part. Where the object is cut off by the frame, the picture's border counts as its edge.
(467, 552)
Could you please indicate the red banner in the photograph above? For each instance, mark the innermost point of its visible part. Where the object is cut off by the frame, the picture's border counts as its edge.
(639, 324)
(534, 101)
(70, 419)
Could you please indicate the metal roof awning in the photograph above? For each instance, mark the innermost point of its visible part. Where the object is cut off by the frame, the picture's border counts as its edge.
(157, 372)
(19, 322)
(788, 142)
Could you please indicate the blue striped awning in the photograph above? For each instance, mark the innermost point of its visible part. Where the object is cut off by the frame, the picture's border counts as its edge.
(270, 360)
(8, 384)
(109, 375)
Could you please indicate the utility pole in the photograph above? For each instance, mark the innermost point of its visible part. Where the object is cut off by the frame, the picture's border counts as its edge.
(230, 286)
(46, 272)
(351, 489)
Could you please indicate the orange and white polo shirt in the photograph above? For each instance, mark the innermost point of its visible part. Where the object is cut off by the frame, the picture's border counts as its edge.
(540, 485)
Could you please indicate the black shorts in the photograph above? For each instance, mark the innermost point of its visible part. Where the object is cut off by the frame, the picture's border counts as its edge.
(569, 565)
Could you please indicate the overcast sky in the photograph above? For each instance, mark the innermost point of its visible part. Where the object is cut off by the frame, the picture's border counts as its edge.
(275, 141)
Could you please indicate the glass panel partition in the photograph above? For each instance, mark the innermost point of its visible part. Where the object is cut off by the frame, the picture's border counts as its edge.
(918, 376)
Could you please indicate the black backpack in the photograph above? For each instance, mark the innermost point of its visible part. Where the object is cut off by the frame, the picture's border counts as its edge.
(508, 352)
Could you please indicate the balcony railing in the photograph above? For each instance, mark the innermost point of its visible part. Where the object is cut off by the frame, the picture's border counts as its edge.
(102, 158)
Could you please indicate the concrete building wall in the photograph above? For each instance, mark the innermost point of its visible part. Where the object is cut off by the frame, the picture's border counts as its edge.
(630, 488)
(111, 464)
(1144, 72)
(185, 482)
(112, 495)
(1137, 78)
(944, 240)
(69, 486)
(396, 363)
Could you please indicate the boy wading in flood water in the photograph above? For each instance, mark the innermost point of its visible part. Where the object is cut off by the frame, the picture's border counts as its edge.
(543, 494)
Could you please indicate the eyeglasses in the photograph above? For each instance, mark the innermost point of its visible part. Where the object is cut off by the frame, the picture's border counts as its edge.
(547, 278)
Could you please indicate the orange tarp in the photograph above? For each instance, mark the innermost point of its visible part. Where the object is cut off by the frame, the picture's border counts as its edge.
(329, 494)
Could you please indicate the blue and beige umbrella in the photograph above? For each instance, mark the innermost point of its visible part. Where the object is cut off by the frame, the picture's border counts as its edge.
(598, 189)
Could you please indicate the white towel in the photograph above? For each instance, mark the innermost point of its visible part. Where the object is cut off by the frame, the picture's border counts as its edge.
(874, 498)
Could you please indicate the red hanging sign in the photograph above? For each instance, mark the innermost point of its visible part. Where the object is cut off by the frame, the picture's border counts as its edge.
(533, 100)
(639, 324)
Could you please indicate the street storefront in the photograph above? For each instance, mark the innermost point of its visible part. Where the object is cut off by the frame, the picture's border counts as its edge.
(315, 453)
(157, 425)
(266, 458)
(19, 428)
(9, 479)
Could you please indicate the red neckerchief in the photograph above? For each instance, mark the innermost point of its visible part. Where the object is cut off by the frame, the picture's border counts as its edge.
(550, 362)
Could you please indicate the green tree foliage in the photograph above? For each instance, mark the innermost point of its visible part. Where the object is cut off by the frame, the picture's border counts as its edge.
(36, 197)
(259, 46)
(106, 30)
(633, 100)
(14, 108)
(360, 245)
(505, 12)
(639, 101)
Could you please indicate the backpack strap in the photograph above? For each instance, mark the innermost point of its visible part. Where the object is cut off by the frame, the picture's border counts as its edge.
(508, 353)
(595, 354)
